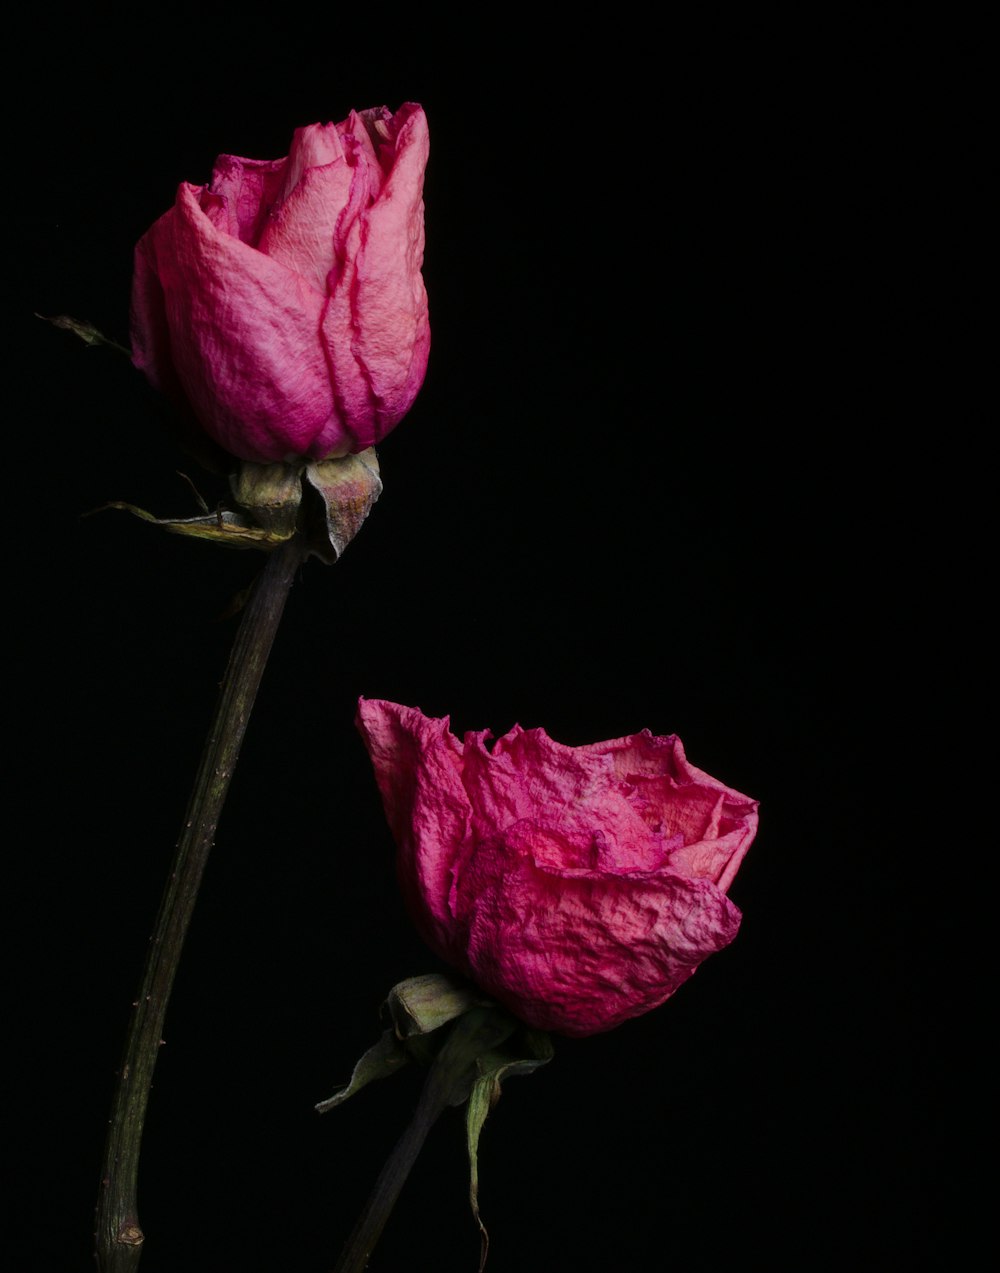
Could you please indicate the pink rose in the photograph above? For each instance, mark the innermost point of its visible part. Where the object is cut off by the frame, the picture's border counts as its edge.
(579, 886)
(284, 300)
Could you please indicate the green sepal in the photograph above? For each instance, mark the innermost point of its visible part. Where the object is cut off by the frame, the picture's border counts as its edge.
(225, 527)
(380, 1061)
(524, 1052)
(270, 494)
(469, 1045)
(87, 332)
(325, 501)
(420, 1005)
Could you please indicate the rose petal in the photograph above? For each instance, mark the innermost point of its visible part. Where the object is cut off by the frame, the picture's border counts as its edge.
(240, 325)
(575, 787)
(579, 885)
(285, 302)
(579, 958)
(250, 188)
(351, 389)
(151, 343)
(417, 762)
(300, 230)
(392, 334)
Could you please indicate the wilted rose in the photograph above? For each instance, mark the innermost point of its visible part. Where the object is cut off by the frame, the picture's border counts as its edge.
(579, 886)
(284, 300)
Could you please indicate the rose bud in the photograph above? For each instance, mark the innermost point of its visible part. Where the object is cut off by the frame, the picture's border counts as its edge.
(579, 886)
(284, 301)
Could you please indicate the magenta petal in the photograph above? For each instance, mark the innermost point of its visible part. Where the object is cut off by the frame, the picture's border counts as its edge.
(285, 302)
(417, 762)
(250, 188)
(151, 344)
(243, 337)
(577, 958)
(390, 305)
(351, 389)
(578, 885)
(572, 783)
(716, 824)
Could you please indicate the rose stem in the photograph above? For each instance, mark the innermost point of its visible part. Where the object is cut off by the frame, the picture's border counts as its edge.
(119, 1237)
(447, 1083)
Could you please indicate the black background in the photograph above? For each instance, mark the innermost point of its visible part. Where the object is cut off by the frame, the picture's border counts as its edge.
(659, 475)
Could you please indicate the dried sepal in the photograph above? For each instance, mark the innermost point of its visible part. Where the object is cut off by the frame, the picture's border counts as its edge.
(381, 1061)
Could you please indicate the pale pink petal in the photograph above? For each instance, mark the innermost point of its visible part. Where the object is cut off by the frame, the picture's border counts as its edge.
(364, 132)
(300, 232)
(314, 146)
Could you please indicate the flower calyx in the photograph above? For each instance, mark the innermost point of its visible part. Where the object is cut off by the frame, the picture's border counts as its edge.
(469, 1045)
(325, 501)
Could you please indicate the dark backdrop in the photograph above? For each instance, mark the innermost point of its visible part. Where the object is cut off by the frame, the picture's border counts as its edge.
(651, 481)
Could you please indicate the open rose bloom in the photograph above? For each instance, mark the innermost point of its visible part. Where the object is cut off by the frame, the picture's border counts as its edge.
(579, 886)
(284, 301)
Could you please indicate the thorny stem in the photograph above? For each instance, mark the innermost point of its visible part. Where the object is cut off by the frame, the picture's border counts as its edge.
(119, 1237)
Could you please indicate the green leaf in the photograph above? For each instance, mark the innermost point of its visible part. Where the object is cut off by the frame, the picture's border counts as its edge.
(484, 1095)
(524, 1052)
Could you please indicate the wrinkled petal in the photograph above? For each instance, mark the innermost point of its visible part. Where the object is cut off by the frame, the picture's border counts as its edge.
(364, 133)
(417, 762)
(284, 302)
(250, 189)
(578, 885)
(151, 342)
(351, 389)
(528, 772)
(716, 823)
(578, 956)
(314, 146)
(300, 230)
(242, 336)
(392, 340)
